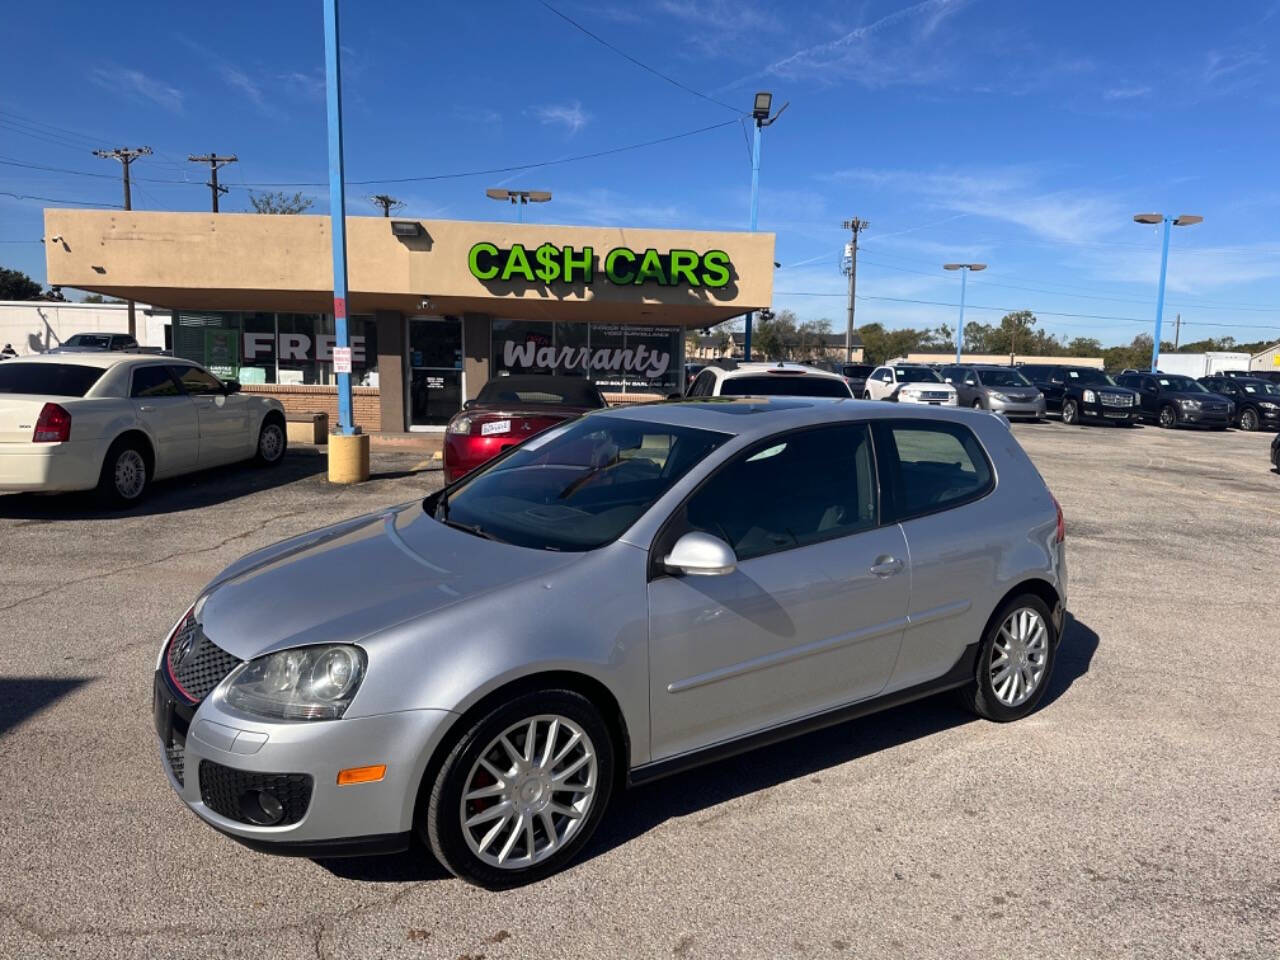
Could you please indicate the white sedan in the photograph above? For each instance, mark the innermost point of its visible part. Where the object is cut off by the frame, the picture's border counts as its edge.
(909, 383)
(114, 422)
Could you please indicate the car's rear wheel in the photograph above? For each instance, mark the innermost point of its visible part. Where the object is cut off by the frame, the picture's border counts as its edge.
(1070, 412)
(1015, 661)
(125, 474)
(1249, 419)
(521, 791)
(273, 442)
(1168, 416)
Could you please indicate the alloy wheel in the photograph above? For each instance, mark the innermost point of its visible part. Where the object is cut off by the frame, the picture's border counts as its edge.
(1069, 412)
(271, 443)
(130, 474)
(1168, 416)
(1249, 420)
(1019, 656)
(529, 792)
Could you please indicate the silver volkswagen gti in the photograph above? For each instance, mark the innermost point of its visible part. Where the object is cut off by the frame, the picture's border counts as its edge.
(623, 597)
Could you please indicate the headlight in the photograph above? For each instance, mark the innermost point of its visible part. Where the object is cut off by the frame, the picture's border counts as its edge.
(307, 683)
(1268, 405)
(1189, 404)
(1090, 397)
(461, 425)
(997, 395)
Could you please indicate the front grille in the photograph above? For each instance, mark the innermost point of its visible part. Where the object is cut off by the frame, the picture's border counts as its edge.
(224, 789)
(1116, 399)
(204, 664)
(176, 754)
(1214, 407)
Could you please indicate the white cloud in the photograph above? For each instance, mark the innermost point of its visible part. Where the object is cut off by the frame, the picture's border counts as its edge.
(600, 205)
(239, 80)
(1125, 93)
(136, 84)
(569, 115)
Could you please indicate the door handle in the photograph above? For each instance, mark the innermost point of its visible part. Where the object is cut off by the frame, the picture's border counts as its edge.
(145, 408)
(886, 566)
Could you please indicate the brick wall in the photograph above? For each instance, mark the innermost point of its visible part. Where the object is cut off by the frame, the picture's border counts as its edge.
(366, 402)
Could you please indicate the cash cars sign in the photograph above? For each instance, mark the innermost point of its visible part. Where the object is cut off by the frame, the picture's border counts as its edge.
(621, 266)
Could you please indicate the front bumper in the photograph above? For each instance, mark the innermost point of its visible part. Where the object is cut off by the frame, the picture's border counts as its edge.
(49, 467)
(1204, 418)
(337, 820)
(1101, 411)
(930, 401)
(1018, 408)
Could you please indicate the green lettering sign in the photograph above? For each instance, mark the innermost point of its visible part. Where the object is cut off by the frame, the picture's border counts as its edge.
(517, 262)
(622, 266)
(611, 267)
(585, 264)
(488, 270)
(715, 269)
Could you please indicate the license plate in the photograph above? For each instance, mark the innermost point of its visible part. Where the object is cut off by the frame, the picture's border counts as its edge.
(496, 426)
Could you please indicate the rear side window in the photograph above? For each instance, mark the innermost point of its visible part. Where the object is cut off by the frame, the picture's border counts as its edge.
(784, 385)
(48, 379)
(703, 386)
(927, 467)
(153, 382)
(791, 491)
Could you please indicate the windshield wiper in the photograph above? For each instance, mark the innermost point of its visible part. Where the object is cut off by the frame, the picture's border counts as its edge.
(472, 528)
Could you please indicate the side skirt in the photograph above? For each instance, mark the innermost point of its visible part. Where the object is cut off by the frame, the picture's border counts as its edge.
(961, 673)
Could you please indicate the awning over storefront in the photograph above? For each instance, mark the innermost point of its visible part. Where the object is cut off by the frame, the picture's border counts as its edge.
(228, 261)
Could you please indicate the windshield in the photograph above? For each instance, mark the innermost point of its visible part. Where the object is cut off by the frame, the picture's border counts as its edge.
(48, 379)
(1003, 378)
(1088, 375)
(784, 385)
(857, 370)
(542, 391)
(89, 340)
(577, 487)
(1182, 384)
(917, 375)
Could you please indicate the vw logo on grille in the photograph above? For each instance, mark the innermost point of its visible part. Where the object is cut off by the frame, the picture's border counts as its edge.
(183, 645)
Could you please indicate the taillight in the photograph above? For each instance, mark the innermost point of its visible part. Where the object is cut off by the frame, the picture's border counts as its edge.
(53, 425)
(1062, 526)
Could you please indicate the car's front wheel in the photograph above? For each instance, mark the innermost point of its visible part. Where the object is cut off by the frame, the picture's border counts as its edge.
(1015, 661)
(977, 404)
(521, 791)
(1249, 419)
(1168, 416)
(1070, 412)
(866, 394)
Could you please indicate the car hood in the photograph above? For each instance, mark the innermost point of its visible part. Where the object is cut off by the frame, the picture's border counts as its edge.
(1189, 395)
(349, 581)
(1016, 393)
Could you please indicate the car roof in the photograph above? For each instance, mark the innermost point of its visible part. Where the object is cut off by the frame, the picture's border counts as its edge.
(104, 360)
(755, 368)
(763, 416)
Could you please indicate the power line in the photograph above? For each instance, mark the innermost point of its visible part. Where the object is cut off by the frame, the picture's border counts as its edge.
(643, 66)
(77, 203)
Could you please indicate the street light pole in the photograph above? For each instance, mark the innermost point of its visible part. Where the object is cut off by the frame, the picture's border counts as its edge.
(965, 269)
(760, 113)
(337, 211)
(1183, 220)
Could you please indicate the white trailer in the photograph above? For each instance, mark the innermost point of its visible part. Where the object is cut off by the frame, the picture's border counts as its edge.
(1203, 364)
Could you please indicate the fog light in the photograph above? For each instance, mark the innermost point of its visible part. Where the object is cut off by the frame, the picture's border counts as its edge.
(261, 808)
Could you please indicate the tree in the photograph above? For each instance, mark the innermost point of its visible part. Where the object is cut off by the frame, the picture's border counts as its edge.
(16, 285)
(280, 202)
(99, 298)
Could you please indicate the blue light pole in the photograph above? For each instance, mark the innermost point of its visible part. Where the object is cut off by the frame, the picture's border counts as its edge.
(1185, 220)
(760, 113)
(965, 269)
(337, 208)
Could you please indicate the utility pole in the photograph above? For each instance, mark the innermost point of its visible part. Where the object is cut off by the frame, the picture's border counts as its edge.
(1177, 331)
(214, 161)
(854, 226)
(387, 203)
(126, 156)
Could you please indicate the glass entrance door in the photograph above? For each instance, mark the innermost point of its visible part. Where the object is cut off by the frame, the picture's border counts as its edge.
(435, 371)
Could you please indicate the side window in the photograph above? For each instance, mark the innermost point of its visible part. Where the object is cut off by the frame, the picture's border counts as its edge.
(791, 491)
(886, 375)
(930, 466)
(196, 382)
(153, 381)
(970, 379)
(703, 385)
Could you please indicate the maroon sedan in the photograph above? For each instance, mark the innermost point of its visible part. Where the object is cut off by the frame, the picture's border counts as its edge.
(508, 411)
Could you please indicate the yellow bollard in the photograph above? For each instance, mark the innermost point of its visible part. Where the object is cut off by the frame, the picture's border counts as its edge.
(348, 458)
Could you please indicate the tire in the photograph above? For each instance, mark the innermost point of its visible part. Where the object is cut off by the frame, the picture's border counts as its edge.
(981, 695)
(125, 474)
(866, 394)
(1168, 417)
(1070, 413)
(1249, 419)
(977, 404)
(458, 848)
(273, 443)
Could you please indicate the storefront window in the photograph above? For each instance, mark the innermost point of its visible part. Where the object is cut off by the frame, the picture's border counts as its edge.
(286, 348)
(618, 358)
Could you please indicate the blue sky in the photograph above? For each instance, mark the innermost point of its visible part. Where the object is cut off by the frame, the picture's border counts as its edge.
(1024, 135)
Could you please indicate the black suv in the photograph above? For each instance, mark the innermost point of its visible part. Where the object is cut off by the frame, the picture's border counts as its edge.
(1171, 399)
(1083, 393)
(1272, 375)
(1257, 401)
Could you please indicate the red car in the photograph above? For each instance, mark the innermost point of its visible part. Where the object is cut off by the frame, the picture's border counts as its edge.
(508, 411)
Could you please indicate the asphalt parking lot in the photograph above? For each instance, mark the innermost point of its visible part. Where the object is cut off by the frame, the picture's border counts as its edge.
(1136, 814)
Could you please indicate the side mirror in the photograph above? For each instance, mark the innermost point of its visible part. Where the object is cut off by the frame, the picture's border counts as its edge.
(468, 404)
(231, 386)
(701, 555)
